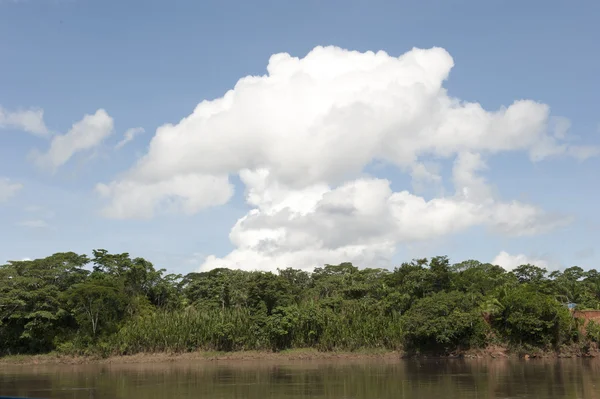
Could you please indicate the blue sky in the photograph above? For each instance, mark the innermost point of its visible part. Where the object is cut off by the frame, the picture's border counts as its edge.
(149, 63)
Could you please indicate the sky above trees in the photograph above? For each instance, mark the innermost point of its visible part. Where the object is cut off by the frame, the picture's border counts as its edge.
(276, 135)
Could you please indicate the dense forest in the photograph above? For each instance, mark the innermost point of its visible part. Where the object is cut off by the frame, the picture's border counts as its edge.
(111, 304)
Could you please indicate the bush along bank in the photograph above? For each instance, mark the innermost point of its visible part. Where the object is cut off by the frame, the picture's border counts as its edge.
(112, 304)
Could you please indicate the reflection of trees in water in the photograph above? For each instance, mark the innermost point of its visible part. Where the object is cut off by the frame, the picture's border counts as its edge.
(552, 379)
(295, 382)
(39, 383)
(255, 380)
(21, 385)
(568, 378)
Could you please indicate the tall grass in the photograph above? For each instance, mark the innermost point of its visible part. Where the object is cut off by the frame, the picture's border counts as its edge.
(184, 331)
(309, 326)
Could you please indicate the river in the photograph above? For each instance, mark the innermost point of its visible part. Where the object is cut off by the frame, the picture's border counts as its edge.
(364, 379)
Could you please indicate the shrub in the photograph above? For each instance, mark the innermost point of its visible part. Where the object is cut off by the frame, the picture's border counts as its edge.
(528, 317)
(444, 322)
(592, 331)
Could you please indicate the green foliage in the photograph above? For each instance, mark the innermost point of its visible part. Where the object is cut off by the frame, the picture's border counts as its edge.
(113, 303)
(98, 304)
(444, 321)
(482, 278)
(270, 290)
(530, 274)
(218, 288)
(31, 312)
(56, 302)
(533, 318)
(185, 330)
(592, 331)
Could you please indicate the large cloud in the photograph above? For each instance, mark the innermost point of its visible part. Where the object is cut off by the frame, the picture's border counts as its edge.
(300, 138)
(362, 220)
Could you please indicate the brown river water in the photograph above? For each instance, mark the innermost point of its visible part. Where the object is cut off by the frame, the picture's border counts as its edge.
(364, 379)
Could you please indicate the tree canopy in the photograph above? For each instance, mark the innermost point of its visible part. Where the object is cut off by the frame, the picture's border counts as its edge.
(113, 303)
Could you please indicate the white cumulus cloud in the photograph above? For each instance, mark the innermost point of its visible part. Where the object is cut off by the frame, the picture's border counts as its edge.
(28, 120)
(188, 193)
(362, 220)
(8, 188)
(510, 262)
(83, 135)
(129, 136)
(300, 138)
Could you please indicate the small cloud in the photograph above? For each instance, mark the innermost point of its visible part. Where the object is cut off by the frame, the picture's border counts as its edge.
(129, 135)
(583, 152)
(83, 135)
(28, 120)
(8, 188)
(33, 224)
(510, 262)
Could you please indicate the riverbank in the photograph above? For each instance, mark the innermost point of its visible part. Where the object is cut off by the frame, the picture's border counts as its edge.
(287, 355)
(495, 352)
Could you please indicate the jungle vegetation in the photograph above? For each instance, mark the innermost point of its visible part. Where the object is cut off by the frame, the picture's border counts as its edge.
(114, 304)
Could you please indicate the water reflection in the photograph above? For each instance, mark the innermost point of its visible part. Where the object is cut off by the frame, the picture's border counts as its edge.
(578, 378)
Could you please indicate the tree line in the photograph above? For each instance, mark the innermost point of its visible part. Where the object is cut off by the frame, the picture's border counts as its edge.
(113, 304)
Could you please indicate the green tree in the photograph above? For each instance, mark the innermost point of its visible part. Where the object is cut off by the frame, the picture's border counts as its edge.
(407, 284)
(482, 278)
(98, 304)
(268, 289)
(440, 273)
(444, 321)
(299, 281)
(533, 318)
(592, 284)
(217, 288)
(32, 316)
(330, 281)
(570, 287)
(530, 274)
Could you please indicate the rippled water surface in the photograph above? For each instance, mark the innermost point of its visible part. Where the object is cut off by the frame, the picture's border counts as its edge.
(332, 380)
